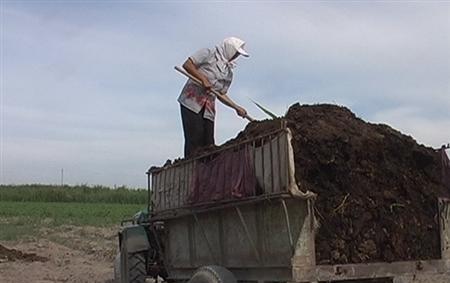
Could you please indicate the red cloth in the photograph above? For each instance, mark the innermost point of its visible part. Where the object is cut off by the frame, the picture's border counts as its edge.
(230, 175)
(445, 168)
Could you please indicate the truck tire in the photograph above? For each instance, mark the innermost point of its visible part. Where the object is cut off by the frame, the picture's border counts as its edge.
(213, 274)
(136, 268)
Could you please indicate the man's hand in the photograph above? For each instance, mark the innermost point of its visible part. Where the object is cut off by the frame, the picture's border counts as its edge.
(206, 84)
(241, 111)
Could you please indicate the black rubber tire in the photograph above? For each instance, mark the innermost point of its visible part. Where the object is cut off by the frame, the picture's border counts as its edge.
(136, 268)
(213, 274)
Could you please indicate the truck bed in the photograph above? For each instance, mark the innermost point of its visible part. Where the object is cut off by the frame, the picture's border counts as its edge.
(266, 234)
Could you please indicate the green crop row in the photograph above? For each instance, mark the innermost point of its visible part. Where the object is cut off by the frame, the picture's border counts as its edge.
(95, 214)
(81, 194)
(23, 219)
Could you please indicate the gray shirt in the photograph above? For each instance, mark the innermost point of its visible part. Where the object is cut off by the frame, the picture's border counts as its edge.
(218, 73)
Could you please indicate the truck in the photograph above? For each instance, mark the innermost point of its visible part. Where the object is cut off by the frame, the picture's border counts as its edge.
(257, 228)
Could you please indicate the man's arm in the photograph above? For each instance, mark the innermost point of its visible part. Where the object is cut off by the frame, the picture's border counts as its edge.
(225, 99)
(190, 67)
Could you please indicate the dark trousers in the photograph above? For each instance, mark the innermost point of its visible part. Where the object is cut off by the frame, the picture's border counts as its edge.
(198, 131)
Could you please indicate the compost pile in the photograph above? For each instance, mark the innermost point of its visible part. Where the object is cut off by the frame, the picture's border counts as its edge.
(377, 188)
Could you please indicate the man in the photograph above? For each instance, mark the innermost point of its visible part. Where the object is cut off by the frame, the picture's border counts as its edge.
(214, 68)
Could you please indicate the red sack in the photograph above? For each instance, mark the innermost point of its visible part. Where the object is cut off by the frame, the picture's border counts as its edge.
(230, 175)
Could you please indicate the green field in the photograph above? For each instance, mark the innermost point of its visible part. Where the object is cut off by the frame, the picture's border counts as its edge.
(21, 219)
(79, 193)
(28, 209)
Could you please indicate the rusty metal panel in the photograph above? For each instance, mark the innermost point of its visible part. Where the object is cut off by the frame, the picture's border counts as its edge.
(170, 186)
(279, 246)
(423, 278)
(207, 240)
(305, 254)
(176, 189)
(177, 243)
(252, 236)
(163, 189)
(273, 164)
(238, 247)
(372, 270)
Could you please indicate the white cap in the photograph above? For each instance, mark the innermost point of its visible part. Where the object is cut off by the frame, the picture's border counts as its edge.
(238, 44)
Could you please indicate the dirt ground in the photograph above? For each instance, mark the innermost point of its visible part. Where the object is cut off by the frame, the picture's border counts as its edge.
(62, 254)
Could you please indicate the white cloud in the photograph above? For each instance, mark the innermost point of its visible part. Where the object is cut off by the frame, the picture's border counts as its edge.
(411, 121)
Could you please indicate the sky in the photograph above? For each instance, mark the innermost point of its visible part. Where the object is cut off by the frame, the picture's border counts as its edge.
(88, 87)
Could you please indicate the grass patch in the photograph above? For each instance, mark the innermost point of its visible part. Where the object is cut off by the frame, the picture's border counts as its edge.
(17, 230)
(23, 219)
(81, 194)
(81, 214)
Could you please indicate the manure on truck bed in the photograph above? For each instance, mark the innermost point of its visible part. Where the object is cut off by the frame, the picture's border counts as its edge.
(318, 196)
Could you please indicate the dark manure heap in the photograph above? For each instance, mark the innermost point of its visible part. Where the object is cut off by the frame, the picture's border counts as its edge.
(377, 188)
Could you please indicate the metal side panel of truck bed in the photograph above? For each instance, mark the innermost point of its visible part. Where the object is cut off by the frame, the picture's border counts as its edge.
(251, 240)
(273, 241)
(271, 160)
